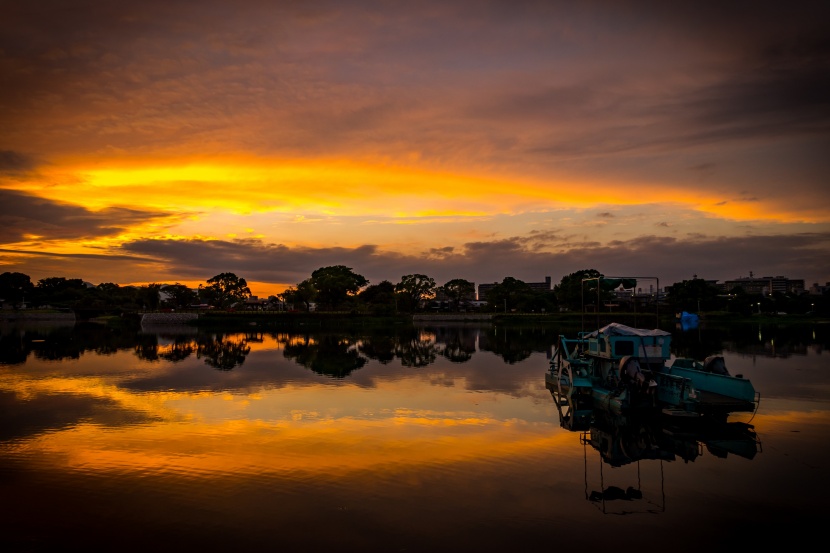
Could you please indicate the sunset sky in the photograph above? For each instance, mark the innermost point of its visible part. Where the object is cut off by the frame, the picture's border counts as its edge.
(169, 141)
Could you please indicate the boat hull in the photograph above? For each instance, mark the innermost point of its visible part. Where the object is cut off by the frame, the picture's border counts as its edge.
(718, 392)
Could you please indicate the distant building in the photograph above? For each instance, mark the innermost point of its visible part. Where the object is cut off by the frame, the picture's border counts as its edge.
(817, 290)
(254, 303)
(541, 286)
(765, 286)
(484, 289)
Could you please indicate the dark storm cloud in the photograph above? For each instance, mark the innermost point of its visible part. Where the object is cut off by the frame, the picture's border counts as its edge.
(23, 216)
(14, 163)
(673, 260)
(670, 259)
(99, 258)
(788, 92)
(762, 73)
(759, 97)
(441, 253)
(251, 259)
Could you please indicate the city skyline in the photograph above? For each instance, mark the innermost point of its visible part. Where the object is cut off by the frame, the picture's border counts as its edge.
(170, 141)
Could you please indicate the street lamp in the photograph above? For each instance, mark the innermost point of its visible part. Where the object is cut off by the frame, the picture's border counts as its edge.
(759, 307)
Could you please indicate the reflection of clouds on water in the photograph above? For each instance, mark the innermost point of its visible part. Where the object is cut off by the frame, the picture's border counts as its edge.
(57, 410)
(119, 415)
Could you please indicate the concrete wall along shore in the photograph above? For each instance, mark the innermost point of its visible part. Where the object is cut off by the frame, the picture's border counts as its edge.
(432, 317)
(153, 319)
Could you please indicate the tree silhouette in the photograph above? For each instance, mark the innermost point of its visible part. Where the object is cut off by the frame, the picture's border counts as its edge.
(14, 287)
(304, 293)
(414, 288)
(179, 295)
(458, 290)
(335, 284)
(226, 289)
(379, 298)
(569, 292)
(511, 293)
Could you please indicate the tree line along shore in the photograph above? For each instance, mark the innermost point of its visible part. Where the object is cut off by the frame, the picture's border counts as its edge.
(338, 289)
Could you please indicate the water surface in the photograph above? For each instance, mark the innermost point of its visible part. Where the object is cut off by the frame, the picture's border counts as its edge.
(422, 438)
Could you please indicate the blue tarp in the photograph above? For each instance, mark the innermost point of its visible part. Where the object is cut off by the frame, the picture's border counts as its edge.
(688, 321)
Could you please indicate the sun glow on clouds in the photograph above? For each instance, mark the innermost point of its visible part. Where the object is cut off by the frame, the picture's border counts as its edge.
(338, 202)
(245, 185)
(249, 185)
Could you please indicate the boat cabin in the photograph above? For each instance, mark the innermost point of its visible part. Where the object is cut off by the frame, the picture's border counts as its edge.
(652, 348)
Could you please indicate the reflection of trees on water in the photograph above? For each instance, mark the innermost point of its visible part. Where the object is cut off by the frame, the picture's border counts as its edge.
(514, 344)
(459, 342)
(698, 343)
(767, 339)
(13, 349)
(149, 349)
(223, 352)
(326, 354)
(379, 346)
(341, 351)
(255, 337)
(416, 348)
(179, 350)
(63, 342)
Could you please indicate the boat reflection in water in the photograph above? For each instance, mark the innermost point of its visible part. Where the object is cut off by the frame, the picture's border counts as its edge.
(628, 440)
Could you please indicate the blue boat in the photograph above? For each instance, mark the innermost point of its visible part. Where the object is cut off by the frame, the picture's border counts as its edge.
(619, 369)
(625, 370)
(717, 390)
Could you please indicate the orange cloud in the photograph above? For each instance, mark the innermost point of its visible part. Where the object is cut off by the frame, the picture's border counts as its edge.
(243, 185)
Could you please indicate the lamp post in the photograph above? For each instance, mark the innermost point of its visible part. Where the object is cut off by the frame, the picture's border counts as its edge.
(759, 307)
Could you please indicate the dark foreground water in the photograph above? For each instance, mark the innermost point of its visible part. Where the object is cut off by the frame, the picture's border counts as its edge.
(408, 439)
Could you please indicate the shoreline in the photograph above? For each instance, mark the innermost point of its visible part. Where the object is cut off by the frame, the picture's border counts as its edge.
(36, 316)
(215, 318)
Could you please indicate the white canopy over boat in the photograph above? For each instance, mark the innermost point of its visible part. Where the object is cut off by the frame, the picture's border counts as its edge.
(617, 329)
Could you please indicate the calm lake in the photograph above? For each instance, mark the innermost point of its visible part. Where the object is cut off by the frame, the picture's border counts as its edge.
(418, 438)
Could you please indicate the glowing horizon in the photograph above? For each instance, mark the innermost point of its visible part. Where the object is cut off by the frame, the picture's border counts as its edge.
(553, 143)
